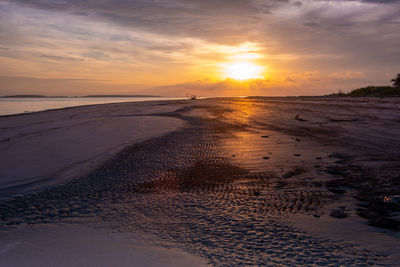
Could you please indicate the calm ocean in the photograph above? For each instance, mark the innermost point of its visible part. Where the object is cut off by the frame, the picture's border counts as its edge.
(10, 106)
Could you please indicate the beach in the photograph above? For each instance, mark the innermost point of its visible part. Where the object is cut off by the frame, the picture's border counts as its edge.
(219, 181)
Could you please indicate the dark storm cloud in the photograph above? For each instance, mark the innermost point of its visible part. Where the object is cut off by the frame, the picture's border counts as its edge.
(381, 1)
(370, 1)
(224, 21)
(236, 21)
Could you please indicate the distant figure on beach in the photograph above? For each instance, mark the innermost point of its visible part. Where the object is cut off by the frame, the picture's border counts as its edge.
(192, 96)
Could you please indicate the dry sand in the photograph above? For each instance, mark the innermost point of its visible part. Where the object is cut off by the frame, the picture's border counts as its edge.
(290, 181)
(82, 245)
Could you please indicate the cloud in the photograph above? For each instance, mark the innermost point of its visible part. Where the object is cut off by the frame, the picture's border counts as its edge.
(97, 55)
(227, 87)
(235, 21)
(64, 86)
(173, 17)
(381, 1)
(60, 58)
(173, 41)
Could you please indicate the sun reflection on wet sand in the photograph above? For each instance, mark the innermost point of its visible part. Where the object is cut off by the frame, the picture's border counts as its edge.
(259, 148)
(242, 109)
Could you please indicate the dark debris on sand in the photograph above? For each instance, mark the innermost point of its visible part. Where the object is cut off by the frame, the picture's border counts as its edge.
(374, 193)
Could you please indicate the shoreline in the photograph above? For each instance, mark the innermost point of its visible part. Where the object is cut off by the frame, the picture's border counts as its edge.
(291, 98)
(257, 172)
(54, 106)
(78, 143)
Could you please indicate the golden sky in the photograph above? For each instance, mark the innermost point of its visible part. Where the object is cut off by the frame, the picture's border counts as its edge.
(210, 47)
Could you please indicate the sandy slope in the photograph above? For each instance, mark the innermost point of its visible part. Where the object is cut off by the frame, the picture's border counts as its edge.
(82, 245)
(45, 148)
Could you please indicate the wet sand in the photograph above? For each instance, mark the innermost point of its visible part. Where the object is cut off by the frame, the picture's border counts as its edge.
(290, 181)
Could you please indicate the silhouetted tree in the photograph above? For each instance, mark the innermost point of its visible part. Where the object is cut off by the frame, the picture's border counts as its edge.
(396, 81)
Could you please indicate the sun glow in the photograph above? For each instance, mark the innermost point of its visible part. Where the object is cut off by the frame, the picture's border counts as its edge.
(243, 71)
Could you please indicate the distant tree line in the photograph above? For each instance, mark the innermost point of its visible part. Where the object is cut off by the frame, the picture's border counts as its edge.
(396, 81)
(376, 91)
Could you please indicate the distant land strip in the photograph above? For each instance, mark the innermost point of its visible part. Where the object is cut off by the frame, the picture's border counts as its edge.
(43, 96)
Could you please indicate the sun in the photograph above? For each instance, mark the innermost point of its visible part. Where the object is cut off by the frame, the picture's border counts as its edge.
(243, 71)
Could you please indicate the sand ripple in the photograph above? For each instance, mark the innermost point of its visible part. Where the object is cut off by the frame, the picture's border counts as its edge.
(183, 188)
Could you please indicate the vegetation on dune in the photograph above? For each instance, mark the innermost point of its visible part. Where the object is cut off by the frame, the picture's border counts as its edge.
(380, 91)
(375, 91)
(396, 81)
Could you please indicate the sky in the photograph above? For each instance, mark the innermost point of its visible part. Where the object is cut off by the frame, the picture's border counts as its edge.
(203, 47)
